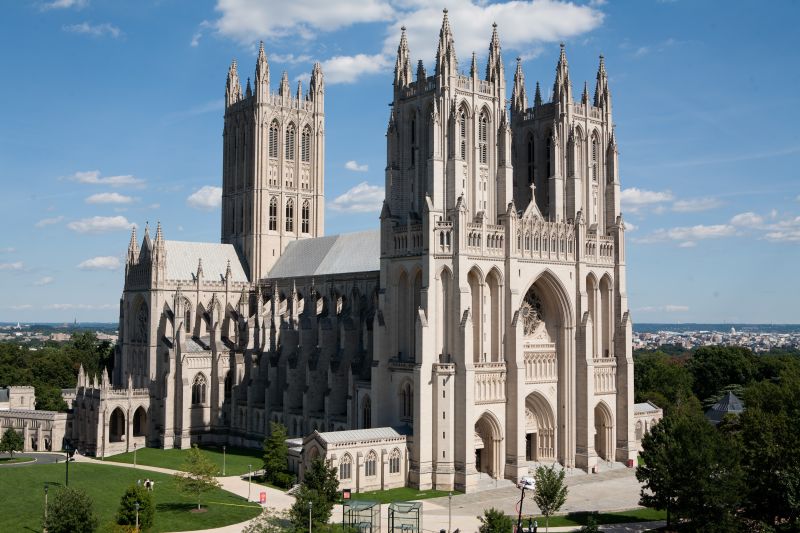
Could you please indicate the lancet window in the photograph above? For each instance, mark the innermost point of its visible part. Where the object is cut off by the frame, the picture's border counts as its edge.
(290, 215)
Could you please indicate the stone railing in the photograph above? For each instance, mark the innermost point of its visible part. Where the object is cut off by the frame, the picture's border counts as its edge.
(443, 237)
(490, 382)
(541, 364)
(543, 240)
(408, 239)
(599, 249)
(605, 375)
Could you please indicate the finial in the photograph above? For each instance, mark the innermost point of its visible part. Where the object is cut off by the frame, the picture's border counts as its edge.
(403, 29)
(260, 47)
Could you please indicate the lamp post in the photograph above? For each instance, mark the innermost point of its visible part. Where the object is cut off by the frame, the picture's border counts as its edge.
(223, 459)
(249, 477)
(137, 515)
(134, 455)
(45, 503)
(449, 512)
(69, 451)
(309, 516)
(525, 483)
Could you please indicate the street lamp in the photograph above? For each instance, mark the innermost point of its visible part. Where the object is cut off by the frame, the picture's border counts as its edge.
(309, 516)
(70, 451)
(449, 512)
(223, 459)
(249, 477)
(134, 455)
(524, 483)
(45, 503)
(137, 515)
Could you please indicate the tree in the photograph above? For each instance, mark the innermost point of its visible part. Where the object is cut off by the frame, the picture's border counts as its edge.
(320, 487)
(322, 478)
(11, 442)
(70, 511)
(275, 454)
(197, 474)
(551, 492)
(126, 515)
(662, 379)
(692, 471)
(495, 521)
(716, 367)
(591, 525)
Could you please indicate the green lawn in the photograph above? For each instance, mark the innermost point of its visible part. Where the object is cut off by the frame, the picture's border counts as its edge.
(402, 494)
(22, 497)
(9, 460)
(580, 519)
(236, 459)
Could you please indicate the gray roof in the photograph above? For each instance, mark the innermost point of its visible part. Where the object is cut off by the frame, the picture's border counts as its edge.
(182, 258)
(3, 395)
(336, 254)
(646, 407)
(729, 404)
(356, 435)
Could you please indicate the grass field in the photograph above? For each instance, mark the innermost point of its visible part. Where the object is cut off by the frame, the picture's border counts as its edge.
(581, 519)
(402, 494)
(22, 497)
(11, 460)
(236, 459)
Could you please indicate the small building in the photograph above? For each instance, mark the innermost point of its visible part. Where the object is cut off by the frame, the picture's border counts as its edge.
(365, 459)
(645, 416)
(730, 404)
(40, 430)
(18, 397)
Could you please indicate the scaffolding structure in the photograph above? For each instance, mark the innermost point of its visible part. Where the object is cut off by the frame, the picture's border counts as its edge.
(363, 516)
(405, 517)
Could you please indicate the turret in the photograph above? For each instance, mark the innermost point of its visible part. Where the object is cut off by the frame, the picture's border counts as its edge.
(262, 75)
(159, 255)
(283, 90)
(602, 96)
(585, 95)
(249, 91)
(402, 65)
(562, 87)
(495, 72)
(233, 88)
(519, 100)
(473, 68)
(537, 97)
(133, 249)
(299, 94)
(421, 74)
(446, 60)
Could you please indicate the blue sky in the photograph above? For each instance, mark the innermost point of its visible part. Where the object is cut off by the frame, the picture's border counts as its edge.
(112, 116)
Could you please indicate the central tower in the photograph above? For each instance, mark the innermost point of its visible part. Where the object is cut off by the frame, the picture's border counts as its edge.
(272, 166)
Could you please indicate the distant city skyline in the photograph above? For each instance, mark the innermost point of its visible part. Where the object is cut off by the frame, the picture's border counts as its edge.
(115, 119)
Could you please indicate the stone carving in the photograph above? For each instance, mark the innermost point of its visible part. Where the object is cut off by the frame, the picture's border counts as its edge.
(140, 329)
(531, 313)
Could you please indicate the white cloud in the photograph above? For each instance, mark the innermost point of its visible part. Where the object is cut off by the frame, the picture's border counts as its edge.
(347, 69)
(103, 262)
(784, 231)
(355, 167)
(21, 307)
(100, 224)
(49, 221)
(211, 106)
(109, 198)
(248, 20)
(92, 177)
(363, 198)
(16, 265)
(206, 198)
(747, 219)
(676, 308)
(95, 30)
(689, 235)
(634, 200)
(8, 250)
(46, 280)
(289, 58)
(630, 226)
(66, 307)
(693, 205)
(65, 4)
(669, 308)
(641, 51)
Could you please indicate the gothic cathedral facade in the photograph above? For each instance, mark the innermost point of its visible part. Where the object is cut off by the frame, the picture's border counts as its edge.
(485, 324)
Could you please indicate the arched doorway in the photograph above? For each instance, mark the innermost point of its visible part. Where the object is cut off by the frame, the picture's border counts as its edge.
(140, 422)
(540, 435)
(488, 436)
(116, 426)
(603, 432)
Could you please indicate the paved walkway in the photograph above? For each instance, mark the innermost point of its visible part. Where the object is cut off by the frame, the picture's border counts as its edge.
(34, 458)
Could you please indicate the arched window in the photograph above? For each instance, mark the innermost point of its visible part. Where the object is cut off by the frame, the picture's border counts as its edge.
(594, 157)
(290, 142)
(199, 390)
(483, 136)
(273, 139)
(290, 215)
(462, 134)
(370, 465)
(228, 384)
(305, 217)
(639, 430)
(394, 461)
(305, 146)
(344, 466)
(366, 413)
(406, 402)
(273, 214)
(187, 320)
(530, 159)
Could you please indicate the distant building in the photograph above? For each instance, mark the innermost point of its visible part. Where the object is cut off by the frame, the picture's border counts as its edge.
(730, 404)
(40, 430)
(645, 416)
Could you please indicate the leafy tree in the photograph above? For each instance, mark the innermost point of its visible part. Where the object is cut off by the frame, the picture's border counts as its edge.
(11, 442)
(49, 399)
(495, 521)
(716, 367)
(551, 492)
(322, 478)
(275, 454)
(70, 510)
(126, 515)
(197, 474)
(591, 525)
(662, 379)
(320, 510)
(692, 471)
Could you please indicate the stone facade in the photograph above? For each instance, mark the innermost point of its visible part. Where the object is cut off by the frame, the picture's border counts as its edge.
(40, 430)
(488, 315)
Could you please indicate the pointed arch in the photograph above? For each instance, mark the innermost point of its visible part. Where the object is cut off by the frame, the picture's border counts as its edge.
(406, 400)
(117, 425)
(489, 433)
(305, 217)
(606, 316)
(604, 431)
(484, 124)
(140, 422)
(493, 314)
(555, 295)
(345, 467)
(291, 133)
(592, 326)
(403, 314)
(445, 313)
(290, 215)
(305, 144)
(540, 428)
(273, 213)
(475, 281)
(274, 129)
(199, 385)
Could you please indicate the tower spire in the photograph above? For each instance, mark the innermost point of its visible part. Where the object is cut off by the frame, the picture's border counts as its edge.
(494, 66)
(473, 69)
(233, 88)
(519, 100)
(133, 248)
(262, 74)
(402, 65)
(421, 74)
(446, 61)
(562, 90)
(602, 96)
(316, 86)
(249, 91)
(537, 97)
(585, 96)
(284, 89)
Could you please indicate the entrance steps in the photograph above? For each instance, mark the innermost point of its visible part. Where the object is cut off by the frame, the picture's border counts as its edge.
(487, 482)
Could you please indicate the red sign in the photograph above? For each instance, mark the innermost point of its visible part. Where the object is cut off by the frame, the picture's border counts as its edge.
(346, 494)
(262, 497)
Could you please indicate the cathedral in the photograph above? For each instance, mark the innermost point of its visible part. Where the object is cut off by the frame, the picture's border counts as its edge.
(482, 329)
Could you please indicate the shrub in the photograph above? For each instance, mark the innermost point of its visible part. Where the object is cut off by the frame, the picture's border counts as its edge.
(70, 511)
(127, 507)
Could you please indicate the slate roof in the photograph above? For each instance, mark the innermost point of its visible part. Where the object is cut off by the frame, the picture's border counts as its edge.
(358, 435)
(182, 260)
(646, 407)
(336, 254)
(729, 404)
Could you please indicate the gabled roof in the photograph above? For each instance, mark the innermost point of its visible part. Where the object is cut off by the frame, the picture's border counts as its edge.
(646, 407)
(360, 435)
(336, 254)
(729, 404)
(182, 259)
